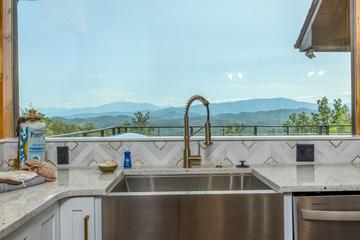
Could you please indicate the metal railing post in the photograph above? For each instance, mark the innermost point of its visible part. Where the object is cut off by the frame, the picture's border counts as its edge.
(255, 130)
(327, 129)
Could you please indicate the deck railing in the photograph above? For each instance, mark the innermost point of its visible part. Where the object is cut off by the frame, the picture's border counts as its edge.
(217, 130)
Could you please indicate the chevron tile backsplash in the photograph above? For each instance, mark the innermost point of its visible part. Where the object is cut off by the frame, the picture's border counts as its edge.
(169, 152)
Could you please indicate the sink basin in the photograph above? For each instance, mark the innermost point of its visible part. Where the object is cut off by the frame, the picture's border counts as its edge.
(201, 182)
(192, 207)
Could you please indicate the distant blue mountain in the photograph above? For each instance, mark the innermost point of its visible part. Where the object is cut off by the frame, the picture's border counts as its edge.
(128, 108)
(255, 105)
(114, 108)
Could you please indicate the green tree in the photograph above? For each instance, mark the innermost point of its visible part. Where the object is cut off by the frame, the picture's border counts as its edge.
(140, 121)
(323, 116)
(325, 121)
(272, 132)
(234, 129)
(298, 123)
(56, 126)
(341, 115)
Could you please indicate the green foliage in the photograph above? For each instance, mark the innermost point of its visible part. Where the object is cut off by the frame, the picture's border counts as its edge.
(57, 126)
(300, 122)
(272, 132)
(140, 122)
(234, 129)
(325, 121)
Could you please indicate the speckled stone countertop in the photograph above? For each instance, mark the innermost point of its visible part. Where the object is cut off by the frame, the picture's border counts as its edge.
(18, 207)
(310, 177)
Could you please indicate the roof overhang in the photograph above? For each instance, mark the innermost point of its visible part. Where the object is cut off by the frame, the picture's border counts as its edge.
(326, 27)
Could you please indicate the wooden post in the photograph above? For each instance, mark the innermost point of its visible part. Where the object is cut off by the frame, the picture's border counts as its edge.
(9, 103)
(355, 68)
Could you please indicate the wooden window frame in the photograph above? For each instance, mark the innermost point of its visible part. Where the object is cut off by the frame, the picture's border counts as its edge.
(9, 76)
(355, 65)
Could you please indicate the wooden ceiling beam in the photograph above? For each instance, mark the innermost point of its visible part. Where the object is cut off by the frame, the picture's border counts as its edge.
(326, 27)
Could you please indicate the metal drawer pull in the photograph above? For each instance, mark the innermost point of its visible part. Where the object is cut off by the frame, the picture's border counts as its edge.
(330, 215)
(86, 227)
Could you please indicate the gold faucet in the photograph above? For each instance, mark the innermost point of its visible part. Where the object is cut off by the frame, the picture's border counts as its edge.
(189, 159)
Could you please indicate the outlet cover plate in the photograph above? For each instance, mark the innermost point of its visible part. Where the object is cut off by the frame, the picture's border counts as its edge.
(305, 152)
(62, 155)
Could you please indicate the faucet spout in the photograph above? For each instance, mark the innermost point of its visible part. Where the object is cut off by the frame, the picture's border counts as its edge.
(188, 158)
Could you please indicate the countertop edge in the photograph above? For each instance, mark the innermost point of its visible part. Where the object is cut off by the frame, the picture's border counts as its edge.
(52, 199)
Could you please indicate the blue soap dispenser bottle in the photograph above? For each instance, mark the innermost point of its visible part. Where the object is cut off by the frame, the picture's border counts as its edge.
(127, 159)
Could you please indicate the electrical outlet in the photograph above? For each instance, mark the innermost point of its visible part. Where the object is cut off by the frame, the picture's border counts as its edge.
(305, 152)
(62, 155)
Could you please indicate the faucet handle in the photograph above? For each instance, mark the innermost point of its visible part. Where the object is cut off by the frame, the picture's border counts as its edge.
(242, 165)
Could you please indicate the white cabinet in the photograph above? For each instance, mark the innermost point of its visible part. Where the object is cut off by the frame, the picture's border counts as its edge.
(43, 227)
(47, 227)
(24, 233)
(77, 218)
(71, 219)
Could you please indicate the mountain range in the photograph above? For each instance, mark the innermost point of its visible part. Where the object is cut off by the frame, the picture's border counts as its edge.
(272, 117)
(128, 108)
(272, 111)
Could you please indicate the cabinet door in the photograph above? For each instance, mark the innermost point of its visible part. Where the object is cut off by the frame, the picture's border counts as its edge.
(23, 233)
(47, 224)
(43, 227)
(77, 219)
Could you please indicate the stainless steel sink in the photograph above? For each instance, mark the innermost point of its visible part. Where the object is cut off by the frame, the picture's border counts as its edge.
(192, 207)
(174, 183)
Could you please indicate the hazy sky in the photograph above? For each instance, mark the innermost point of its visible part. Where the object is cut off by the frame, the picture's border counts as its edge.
(90, 52)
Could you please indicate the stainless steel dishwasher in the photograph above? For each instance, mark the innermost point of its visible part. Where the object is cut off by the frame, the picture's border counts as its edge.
(193, 207)
(328, 217)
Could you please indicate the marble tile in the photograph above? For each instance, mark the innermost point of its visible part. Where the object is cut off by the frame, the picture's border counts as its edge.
(9, 151)
(2, 160)
(169, 152)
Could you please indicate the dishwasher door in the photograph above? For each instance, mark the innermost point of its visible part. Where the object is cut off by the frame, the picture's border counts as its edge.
(327, 217)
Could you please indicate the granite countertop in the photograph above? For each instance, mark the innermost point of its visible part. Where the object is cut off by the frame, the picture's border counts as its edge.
(19, 206)
(310, 177)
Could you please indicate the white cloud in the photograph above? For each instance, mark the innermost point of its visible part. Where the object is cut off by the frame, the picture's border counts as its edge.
(235, 76)
(310, 98)
(345, 94)
(321, 73)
